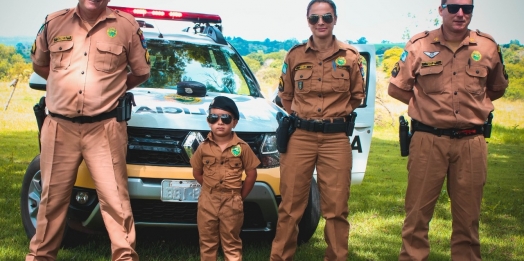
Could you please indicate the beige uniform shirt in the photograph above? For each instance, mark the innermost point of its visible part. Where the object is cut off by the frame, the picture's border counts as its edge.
(450, 88)
(322, 88)
(88, 66)
(224, 168)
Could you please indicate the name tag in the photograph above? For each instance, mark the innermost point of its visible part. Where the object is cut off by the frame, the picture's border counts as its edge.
(63, 38)
(429, 64)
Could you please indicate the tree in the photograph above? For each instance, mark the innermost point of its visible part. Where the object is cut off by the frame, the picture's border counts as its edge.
(13, 65)
(391, 57)
(362, 40)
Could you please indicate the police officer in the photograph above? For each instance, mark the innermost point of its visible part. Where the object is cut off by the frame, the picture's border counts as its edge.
(84, 53)
(449, 78)
(321, 83)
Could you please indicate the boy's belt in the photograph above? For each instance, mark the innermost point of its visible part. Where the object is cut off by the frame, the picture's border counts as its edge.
(453, 133)
(86, 119)
(325, 126)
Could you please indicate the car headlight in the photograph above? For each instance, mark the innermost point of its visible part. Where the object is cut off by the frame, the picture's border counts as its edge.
(269, 156)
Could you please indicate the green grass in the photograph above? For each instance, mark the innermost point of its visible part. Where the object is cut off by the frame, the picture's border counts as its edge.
(376, 206)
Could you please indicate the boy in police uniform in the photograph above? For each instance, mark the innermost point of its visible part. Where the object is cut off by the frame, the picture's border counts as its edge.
(218, 164)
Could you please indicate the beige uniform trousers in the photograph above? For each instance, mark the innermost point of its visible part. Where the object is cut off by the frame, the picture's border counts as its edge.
(219, 218)
(331, 153)
(432, 159)
(102, 145)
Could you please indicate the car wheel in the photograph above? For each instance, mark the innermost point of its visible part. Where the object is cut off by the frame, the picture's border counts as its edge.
(309, 222)
(30, 203)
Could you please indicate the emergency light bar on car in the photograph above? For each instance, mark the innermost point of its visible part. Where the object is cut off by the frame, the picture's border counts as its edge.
(169, 15)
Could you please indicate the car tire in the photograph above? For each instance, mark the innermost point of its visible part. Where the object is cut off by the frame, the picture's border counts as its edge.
(309, 222)
(30, 197)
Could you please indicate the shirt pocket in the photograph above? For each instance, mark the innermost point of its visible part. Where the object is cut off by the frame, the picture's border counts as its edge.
(476, 79)
(303, 81)
(61, 53)
(210, 166)
(340, 80)
(108, 57)
(234, 172)
(430, 79)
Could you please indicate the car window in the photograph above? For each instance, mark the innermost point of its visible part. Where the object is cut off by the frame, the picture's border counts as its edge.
(218, 67)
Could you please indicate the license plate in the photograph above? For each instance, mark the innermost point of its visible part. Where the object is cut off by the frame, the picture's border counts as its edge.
(180, 190)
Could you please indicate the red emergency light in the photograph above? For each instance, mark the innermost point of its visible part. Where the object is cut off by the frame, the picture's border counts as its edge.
(169, 15)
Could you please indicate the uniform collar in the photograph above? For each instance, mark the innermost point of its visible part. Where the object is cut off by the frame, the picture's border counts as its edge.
(438, 37)
(335, 46)
(108, 14)
(234, 141)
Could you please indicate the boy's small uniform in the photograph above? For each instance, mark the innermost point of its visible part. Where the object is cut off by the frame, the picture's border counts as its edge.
(220, 206)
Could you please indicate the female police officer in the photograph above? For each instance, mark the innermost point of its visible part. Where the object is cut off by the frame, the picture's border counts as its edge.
(321, 84)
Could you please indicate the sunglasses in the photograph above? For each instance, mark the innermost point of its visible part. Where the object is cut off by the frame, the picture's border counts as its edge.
(453, 9)
(327, 18)
(213, 118)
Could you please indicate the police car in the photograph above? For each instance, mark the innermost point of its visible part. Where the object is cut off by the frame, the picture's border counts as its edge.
(169, 122)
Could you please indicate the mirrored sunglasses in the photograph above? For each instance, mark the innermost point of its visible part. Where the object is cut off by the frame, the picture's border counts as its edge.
(213, 118)
(314, 18)
(453, 9)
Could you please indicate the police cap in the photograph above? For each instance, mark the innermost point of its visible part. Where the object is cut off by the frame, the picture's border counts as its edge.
(226, 104)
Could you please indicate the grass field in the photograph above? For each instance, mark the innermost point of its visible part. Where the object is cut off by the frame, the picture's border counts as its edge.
(376, 206)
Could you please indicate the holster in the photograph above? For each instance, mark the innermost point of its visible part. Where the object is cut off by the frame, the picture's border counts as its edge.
(40, 114)
(286, 127)
(404, 136)
(124, 107)
(487, 126)
(351, 123)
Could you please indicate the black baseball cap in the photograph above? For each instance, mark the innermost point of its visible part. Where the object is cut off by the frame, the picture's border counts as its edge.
(226, 104)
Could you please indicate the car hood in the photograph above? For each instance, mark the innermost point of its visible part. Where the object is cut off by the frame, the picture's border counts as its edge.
(165, 109)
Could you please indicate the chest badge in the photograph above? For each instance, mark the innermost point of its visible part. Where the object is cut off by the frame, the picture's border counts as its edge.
(431, 54)
(236, 150)
(111, 32)
(476, 56)
(341, 60)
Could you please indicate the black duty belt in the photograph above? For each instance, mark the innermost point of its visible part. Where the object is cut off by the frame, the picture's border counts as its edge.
(87, 119)
(325, 126)
(453, 133)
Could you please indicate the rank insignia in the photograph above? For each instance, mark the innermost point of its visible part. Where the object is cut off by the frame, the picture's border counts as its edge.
(62, 38)
(148, 61)
(431, 54)
(340, 60)
(111, 32)
(395, 70)
(33, 48)
(300, 85)
(435, 40)
(236, 150)
(404, 56)
(476, 56)
(142, 39)
(281, 84)
(284, 68)
(429, 64)
(303, 67)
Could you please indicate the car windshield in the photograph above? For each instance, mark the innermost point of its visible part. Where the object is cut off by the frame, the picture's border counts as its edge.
(218, 67)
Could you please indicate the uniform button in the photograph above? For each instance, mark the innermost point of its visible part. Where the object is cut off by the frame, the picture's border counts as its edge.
(342, 75)
(80, 91)
(456, 112)
(319, 110)
(59, 48)
(87, 35)
(319, 79)
(78, 111)
(455, 93)
(301, 76)
(319, 63)
(454, 56)
(221, 181)
(85, 53)
(236, 164)
(82, 72)
(207, 161)
(221, 162)
(477, 71)
(454, 73)
(320, 95)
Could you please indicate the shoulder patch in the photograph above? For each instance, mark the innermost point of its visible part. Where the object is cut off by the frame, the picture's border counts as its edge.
(419, 36)
(485, 35)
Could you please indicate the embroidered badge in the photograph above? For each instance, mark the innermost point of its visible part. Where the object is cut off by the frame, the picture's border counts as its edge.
(435, 40)
(281, 84)
(431, 54)
(148, 61)
(142, 39)
(395, 70)
(341, 60)
(62, 38)
(361, 67)
(471, 40)
(236, 150)
(111, 32)
(429, 64)
(41, 29)
(300, 85)
(33, 48)
(334, 66)
(476, 56)
(284, 68)
(404, 56)
(303, 67)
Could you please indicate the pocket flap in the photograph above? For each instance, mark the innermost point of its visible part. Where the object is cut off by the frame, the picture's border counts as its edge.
(61, 46)
(303, 75)
(235, 162)
(477, 71)
(431, 70)
(109, 48)
(208, 161)
(340, 74)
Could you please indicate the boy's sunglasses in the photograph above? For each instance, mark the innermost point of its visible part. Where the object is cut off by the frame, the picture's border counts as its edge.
(327, 18)
(213, 118)
(453, 9)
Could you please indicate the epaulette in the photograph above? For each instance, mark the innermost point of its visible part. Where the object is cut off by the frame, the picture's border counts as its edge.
(419, 36)
(125, 15)
(296, 46)
(485, 35)
(56, 14)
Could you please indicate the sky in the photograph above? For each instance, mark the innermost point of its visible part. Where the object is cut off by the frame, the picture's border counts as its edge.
(376, 20)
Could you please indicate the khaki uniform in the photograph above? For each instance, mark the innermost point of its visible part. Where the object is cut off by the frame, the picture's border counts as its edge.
(449, 93)
(220, 206)
(321, 87)
(87, 75)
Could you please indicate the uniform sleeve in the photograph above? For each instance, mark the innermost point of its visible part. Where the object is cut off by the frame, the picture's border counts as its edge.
(39, 51)
(286, 88)
(403, 73)
(497, 77)
(249, 159)
(138, 56)
(196, 159)
(357, 84)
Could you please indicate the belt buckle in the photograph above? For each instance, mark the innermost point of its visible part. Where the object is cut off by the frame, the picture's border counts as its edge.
(318, 125)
